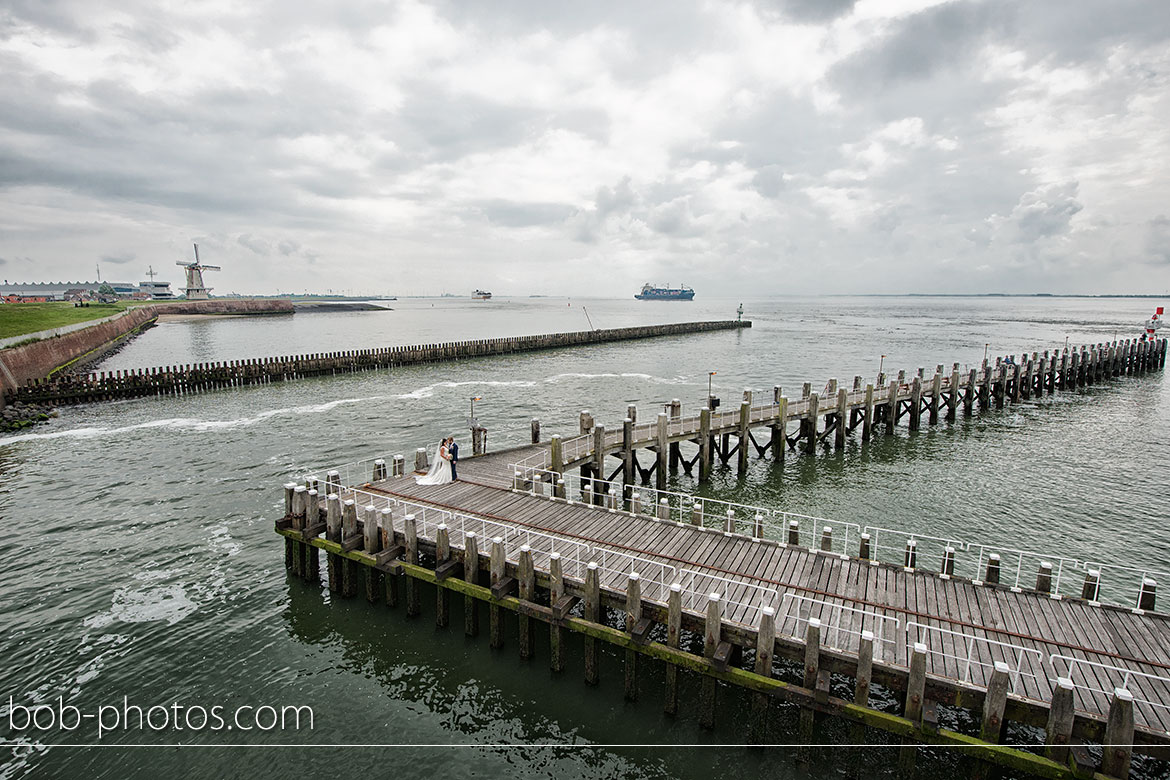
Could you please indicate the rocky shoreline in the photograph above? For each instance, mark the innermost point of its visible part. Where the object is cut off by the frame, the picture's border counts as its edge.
(19, 415)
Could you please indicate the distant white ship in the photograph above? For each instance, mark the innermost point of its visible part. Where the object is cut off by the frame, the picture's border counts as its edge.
(481, 295)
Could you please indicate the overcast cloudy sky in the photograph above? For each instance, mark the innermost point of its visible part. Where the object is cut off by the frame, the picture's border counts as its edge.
(811, 146)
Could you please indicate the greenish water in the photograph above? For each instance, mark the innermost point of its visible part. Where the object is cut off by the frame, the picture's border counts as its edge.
(140, 560)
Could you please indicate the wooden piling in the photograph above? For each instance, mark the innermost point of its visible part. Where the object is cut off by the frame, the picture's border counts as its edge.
(745, 412)
(994, 702)
(556, 592)
(470, 576)
(663, 452)
(705, 453)
(526, 574)
(842, 419)
(442, 595)
(497, 573)
(633, 616)
(712, 636)
(592, 614)
(765, 647)
(410, 535)
(673, 632)
(867, 418)
(810, 423)
(1061, 713)
(1118, 742)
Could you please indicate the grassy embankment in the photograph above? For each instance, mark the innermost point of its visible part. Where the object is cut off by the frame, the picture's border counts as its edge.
(17, 319)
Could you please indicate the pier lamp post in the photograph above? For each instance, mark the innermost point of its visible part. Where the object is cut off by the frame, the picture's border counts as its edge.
(881, 364)
(709, 375)
(474, 398)
(985, 346)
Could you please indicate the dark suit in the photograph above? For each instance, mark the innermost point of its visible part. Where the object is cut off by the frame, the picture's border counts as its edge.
(453, 450)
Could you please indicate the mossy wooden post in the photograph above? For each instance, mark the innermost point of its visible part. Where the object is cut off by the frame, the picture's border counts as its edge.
(390, 580)
(994, 702)
(705, 453)
(955, 393)
(535, 430)
(410, 535)
(780, 431)
(675, 451)
(471, 576)
(1118, 736)
(712, 636)
(1061, 713)
(333, 534)
(592, 614)
(916, 404)
(495, 614)
(298, 524)
(628, 451)
(311, 570)
(526, 575)
(556, 456)
(598, 462)
(765, 647)
(442, 595)
(935, 396)
(348, 531)
(891, 406)
(842, 419)
(673, 634)
(867, 417)
(915, 704)
(969, 395)
(372, 544)
(745, 412)
(633, 615)
(556, 591)
(810, 420)
(863, 677)
(289, 545)
(663, 452)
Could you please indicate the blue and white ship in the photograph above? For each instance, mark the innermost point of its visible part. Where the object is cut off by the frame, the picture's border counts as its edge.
(652, 293)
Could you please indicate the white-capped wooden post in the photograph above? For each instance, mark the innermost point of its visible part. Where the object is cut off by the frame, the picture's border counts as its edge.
(712, 636)
(765, 647)
(526, 574)
(673, 633)
(633, 615)
(497, 572)
(1061, 713)
(420, 459)
(592, 614)
(410, 533)
(556, 591)
(471, 577)
(442, 595)
(663, 453)
(994, 703)
(1118, 736)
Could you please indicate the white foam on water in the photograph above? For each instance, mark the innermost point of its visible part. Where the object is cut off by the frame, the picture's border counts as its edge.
(188, 424)
(429, 390)
(678, 380)
(146, 605)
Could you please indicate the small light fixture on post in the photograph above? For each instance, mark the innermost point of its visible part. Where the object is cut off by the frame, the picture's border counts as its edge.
(474, 398)
(985, 346)
(709, 375)
(881, 364)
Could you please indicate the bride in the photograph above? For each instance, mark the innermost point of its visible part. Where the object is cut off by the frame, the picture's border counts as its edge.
(440, 473)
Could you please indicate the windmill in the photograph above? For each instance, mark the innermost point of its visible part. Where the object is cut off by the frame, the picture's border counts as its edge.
(195, 289)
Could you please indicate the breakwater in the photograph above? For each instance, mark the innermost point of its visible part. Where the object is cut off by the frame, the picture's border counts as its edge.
(199, 377)
(33, 364)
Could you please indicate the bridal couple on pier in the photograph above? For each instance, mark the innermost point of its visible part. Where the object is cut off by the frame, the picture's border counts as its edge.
(443, 470)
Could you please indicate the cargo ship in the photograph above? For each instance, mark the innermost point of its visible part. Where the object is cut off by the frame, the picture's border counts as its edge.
(652, 293)
(481, 295)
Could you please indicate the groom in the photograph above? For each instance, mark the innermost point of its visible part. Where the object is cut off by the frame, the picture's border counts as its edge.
(453, 452)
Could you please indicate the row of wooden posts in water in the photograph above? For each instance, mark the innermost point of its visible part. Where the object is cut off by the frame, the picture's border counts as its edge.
(881, 405)
(384, 552)
(64, 388)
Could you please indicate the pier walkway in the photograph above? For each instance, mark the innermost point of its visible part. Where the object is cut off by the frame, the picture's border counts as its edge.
(1074, 647)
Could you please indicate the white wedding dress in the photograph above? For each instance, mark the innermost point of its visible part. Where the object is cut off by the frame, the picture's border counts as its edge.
(440, 473)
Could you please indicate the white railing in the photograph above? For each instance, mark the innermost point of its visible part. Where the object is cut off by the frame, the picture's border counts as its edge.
(1149, 690)
(975, 656)
(798, 609)
(746, 596)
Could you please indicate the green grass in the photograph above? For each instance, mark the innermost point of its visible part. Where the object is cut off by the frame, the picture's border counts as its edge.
(17, 319)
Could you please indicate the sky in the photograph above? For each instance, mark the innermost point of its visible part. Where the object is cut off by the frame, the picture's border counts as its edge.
(767, 148)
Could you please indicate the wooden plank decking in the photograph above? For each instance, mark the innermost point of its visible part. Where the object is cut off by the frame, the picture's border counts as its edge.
(884, 598)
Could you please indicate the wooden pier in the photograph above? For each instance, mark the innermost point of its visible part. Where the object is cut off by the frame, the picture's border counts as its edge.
(202, 377)
(773, 602)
